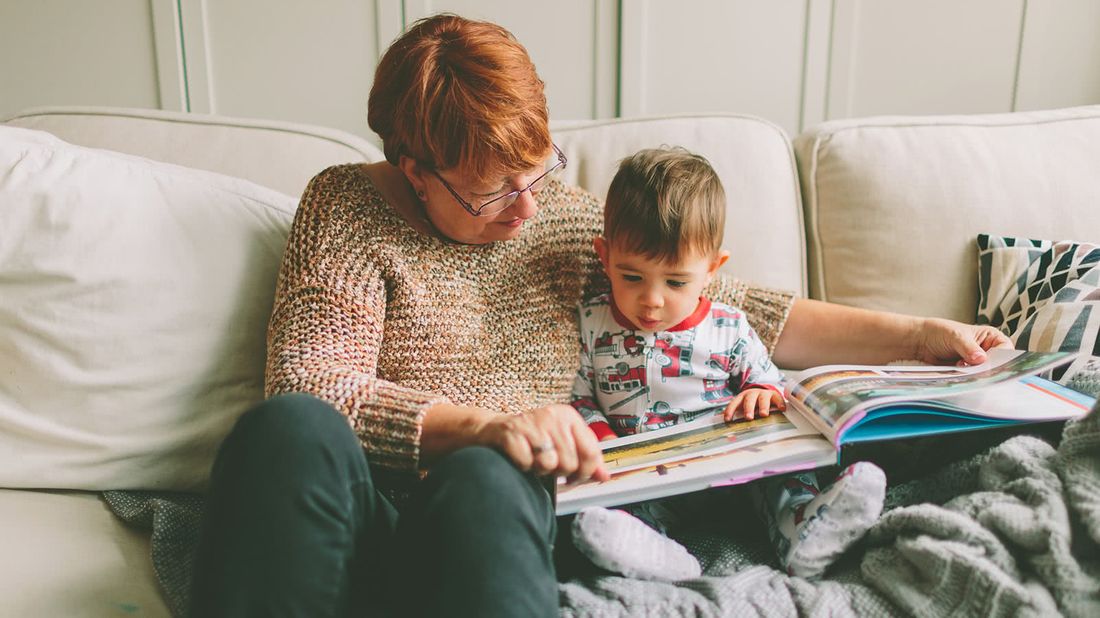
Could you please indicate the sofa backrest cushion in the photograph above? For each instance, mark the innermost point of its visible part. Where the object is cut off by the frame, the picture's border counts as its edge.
(753, 157)
(279, 155)
(134, 299)
(894, 205)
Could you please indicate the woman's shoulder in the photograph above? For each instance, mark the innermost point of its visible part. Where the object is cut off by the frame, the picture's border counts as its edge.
(345, 193)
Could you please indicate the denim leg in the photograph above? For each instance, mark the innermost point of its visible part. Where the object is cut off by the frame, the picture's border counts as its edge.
(477, 541)
(293, 524)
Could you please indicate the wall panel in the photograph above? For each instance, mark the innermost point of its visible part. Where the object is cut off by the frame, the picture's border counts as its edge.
(299, 61)
(60, 52)
(745, 56)
(1060, 55)
(928, 57)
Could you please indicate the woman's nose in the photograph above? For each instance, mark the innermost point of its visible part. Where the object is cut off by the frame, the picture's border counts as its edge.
(525, 206)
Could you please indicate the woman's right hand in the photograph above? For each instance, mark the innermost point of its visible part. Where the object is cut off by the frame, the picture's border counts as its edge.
(551, 440)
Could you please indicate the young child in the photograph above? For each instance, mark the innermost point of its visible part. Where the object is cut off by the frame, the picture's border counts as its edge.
(655, 352)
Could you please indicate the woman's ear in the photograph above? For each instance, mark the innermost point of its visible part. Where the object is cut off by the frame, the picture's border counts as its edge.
(602, 250)
(415, 174)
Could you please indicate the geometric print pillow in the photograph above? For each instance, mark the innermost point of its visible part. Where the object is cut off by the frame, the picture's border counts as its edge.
(1045, 296)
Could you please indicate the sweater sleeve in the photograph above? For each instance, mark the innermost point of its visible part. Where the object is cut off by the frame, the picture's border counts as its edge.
(766, 308)
(326, 329)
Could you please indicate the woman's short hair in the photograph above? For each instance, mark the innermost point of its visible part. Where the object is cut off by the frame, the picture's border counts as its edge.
(665, 203)
(454, 92)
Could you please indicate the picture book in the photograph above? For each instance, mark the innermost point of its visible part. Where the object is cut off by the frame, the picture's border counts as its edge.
(828, 408)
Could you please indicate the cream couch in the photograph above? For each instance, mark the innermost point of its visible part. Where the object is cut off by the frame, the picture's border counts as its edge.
(878, 213)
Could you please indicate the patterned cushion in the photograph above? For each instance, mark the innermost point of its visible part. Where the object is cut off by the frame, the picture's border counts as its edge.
(1045, 296)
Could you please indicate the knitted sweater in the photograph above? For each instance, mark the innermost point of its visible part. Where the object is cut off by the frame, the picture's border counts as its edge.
(384, 322)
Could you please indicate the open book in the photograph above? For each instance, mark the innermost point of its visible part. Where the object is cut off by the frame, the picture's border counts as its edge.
(830, 407)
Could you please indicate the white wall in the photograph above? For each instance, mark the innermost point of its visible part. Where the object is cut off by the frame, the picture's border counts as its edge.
(795, 62)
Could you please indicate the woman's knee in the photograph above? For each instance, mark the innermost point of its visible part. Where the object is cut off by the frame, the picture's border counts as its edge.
(292, 427)
(478, 471)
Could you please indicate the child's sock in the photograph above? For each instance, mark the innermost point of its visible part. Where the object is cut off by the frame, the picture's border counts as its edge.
(818, 531)
(621, 543)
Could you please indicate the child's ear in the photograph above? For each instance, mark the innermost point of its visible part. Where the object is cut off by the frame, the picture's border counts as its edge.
(602, 250)
(719, 259)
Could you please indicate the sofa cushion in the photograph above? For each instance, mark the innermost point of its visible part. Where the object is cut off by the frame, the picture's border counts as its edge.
(68, 555)
(1045, 296)
(134, 299)
(893, 204)
(275, 154)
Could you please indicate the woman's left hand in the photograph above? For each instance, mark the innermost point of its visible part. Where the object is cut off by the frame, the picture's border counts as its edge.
(941, 341)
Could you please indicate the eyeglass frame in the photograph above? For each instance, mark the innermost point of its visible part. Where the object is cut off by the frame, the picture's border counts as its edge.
(559, 166)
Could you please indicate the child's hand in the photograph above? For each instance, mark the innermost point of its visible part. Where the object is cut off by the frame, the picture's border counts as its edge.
(752, 402)
(609, 437)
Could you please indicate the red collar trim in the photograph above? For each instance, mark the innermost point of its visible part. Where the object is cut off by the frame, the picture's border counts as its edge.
(697, 316)
(693, 320)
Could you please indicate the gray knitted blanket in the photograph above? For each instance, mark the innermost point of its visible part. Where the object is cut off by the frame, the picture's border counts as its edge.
(1014, 531)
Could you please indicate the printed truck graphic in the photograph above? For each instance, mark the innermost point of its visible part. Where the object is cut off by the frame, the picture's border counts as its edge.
(621, 377)
(618, 345)
(724, 317)
(675, 361)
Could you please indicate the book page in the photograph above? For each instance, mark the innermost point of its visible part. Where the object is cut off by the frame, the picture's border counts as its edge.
(693, 455)
(834, 397)
(681, 476)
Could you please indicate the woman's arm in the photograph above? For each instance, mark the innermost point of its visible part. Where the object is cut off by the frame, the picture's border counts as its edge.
(819, 333)
(327, 324)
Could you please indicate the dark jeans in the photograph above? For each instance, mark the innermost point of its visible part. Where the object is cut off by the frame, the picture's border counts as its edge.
(296, 527)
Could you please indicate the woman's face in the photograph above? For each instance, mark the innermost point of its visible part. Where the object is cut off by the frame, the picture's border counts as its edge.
(450, 218)
(447, 197)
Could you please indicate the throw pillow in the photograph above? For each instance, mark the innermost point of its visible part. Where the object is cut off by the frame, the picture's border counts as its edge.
(134, 300)
(1045, 296)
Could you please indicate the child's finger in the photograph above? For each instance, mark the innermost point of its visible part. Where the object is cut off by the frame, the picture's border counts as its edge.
(764, 405)
(780, 402)
(731, 408)
(750, 404)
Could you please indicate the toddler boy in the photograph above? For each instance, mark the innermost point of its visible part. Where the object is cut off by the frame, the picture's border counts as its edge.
(656, 352)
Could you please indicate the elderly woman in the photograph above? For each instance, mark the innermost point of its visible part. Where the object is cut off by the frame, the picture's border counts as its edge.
(422, 349)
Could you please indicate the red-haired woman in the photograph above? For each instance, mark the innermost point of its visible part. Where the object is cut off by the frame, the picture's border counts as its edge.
(422, 349)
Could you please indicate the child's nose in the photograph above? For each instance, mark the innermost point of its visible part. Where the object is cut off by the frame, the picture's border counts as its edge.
(651, 298)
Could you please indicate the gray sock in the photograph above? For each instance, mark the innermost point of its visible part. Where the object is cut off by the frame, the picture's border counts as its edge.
(820, 530)
(621, 543)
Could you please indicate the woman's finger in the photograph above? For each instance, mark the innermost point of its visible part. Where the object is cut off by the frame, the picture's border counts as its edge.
(589, 456)
(566, 448)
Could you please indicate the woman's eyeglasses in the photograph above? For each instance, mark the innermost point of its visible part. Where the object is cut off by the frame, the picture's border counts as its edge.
(499, 203)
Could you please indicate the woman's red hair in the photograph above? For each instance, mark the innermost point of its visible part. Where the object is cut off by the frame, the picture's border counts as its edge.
(453, 92)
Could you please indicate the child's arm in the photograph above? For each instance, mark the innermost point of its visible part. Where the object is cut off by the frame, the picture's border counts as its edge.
(760, 383)
(584, 394)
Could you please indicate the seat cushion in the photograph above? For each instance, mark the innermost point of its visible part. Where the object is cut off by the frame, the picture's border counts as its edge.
(66, 555)
(893, 204)
(134, 300)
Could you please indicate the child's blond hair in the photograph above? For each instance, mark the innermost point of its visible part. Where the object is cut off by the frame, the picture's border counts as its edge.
(665, 203)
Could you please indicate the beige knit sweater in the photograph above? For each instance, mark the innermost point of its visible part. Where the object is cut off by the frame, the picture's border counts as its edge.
(383, 322)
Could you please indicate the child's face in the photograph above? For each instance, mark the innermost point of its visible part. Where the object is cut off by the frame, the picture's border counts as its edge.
(656, 295)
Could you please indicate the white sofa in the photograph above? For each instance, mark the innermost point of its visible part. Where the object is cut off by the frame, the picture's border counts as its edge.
(878, 213)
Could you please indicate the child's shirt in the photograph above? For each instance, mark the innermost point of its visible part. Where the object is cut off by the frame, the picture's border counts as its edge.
(632, 381)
